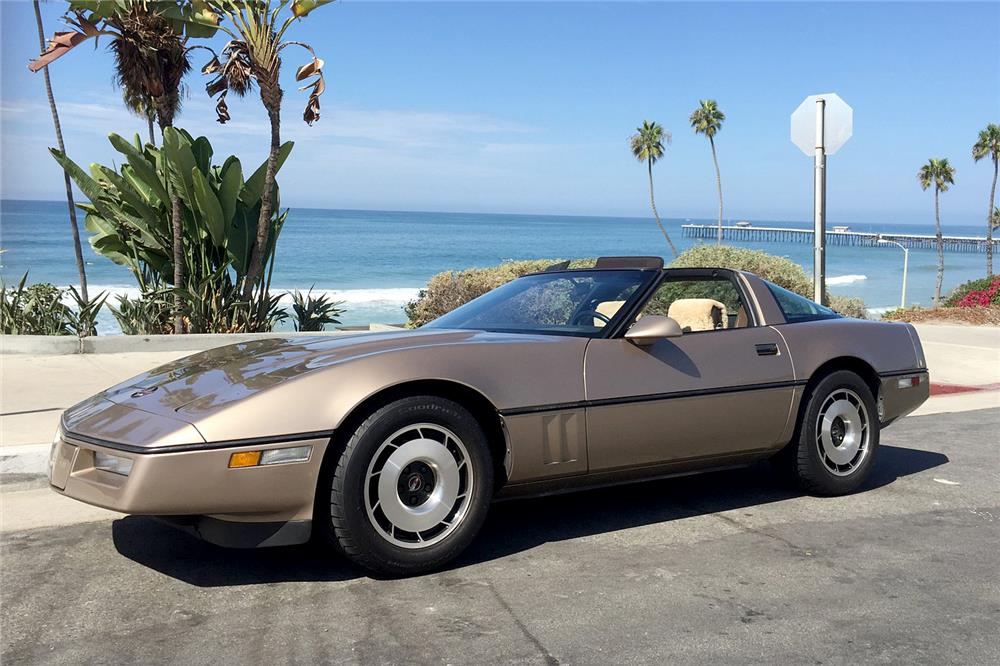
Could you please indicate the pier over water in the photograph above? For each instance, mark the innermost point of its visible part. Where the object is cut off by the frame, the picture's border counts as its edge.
(858, 238)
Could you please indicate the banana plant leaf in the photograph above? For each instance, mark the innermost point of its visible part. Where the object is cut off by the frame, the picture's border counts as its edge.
(210, 208)
(90, 188)
(179, 161)
(135, 200)
(143, 169)
(229, 188)
(202, 151)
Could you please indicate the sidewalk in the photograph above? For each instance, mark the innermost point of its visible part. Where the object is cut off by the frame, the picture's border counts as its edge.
(35, 389)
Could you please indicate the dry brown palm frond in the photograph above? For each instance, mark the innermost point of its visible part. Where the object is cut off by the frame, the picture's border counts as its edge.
(63, 42)
(317, 87)
(232, 73)
(150, 59)
(238, 68)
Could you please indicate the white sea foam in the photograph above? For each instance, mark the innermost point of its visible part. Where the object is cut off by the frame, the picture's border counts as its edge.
(386, 296)
(845, 279)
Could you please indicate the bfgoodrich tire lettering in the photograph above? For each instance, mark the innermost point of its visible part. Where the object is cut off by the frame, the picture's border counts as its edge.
(837, 437)
(411, 487)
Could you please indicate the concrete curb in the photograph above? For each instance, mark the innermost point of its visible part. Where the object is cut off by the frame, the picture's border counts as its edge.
(55, 345)
(24, 466)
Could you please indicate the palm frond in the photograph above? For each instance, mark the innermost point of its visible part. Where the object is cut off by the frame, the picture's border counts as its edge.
(988, 144)
(937, 172)
(707, 119)
(647, 143)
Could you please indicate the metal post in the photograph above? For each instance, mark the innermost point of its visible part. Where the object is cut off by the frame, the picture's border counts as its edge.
(819, 207)
(906, 264)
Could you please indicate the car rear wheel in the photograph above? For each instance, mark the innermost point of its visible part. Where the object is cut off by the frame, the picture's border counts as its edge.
(411, 487)
(837, 437)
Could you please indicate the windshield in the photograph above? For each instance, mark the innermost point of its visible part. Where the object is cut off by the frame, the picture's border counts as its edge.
(580, 303)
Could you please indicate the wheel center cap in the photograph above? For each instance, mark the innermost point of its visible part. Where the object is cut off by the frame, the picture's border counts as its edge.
(838, 431)
(416, 483)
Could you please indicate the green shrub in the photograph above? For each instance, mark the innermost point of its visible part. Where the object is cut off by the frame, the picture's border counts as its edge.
(147, 314)
(849, 306)
(313, 313)
(37, 309)
(82, 321)
(903, 314)
(446, 291)
(962, 290)
(780, 270)
(34, 309)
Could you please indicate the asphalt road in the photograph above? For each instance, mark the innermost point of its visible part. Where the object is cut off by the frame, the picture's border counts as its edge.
(722, 568)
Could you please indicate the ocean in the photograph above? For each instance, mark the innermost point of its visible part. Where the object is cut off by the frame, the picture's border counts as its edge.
(376, 261)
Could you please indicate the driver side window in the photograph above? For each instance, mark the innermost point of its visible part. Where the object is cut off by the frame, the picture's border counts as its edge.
(699, 304)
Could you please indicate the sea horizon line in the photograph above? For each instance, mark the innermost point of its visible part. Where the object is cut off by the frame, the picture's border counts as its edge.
(680, 219)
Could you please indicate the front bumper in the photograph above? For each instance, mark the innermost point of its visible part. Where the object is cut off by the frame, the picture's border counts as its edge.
(197, 488)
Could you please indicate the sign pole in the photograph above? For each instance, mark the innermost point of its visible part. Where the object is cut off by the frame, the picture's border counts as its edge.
(821, 124)
(819, 205)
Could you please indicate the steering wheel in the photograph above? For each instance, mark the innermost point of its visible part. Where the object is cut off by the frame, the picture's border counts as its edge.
(591, 314)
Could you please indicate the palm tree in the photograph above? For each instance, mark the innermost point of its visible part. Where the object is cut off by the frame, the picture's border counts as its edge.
(988, 145)
(150, 62)
(707, 119)
(252, 56)
(647, 146)
(74, 229)
(940, 174)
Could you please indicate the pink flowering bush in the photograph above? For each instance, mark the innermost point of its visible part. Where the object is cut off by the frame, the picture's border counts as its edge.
(981, 292)
(982, 298)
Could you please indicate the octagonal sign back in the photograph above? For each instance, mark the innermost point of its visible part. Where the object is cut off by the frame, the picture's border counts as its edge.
(837, 128)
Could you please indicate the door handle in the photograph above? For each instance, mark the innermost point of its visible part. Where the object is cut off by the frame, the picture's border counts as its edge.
(767, 349)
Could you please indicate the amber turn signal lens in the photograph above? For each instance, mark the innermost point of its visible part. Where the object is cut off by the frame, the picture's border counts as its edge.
(244, 459)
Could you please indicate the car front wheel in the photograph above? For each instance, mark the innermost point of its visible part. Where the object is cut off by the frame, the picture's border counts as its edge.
(838, 436)
(411, 488)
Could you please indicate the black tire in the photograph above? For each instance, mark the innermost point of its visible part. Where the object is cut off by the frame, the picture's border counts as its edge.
(346, 493)
(808, 460)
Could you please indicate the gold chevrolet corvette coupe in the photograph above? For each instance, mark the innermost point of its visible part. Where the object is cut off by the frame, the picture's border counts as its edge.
(391, 446)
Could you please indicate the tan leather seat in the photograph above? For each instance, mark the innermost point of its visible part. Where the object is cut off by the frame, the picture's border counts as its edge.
(609, 309)
(698, 314)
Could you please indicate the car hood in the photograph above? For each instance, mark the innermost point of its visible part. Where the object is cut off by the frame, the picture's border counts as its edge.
(199, 384)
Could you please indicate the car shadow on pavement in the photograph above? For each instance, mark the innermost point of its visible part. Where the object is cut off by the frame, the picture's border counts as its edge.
(519, 525)
(511, 527)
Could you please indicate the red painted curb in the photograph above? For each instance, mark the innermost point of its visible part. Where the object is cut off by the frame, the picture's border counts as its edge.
(948, 389)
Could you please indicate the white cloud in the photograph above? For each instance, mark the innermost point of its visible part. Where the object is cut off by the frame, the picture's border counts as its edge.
(354, 149)
(394, 128)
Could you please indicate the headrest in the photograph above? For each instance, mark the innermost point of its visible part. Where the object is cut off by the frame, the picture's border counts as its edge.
(698, 314)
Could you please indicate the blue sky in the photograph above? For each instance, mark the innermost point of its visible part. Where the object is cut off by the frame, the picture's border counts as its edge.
(504, 107)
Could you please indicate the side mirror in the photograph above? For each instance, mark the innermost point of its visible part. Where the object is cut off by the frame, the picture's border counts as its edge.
(652, 328)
